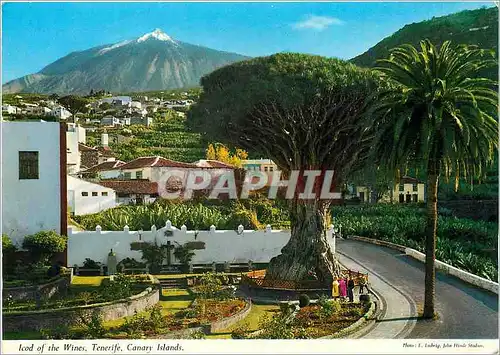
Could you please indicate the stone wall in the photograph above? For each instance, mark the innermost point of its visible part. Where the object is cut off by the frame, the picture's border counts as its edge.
(47, 290)
(36, 320)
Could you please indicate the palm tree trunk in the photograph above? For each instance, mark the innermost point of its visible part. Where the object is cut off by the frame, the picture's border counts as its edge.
(430, 241)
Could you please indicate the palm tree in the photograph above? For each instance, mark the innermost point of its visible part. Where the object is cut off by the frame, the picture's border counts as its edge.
(436, 113)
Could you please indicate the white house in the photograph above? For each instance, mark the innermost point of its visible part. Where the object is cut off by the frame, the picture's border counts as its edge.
(11, 110)
(75, 134)
(33, 168)
(136, 104)
(61, 113)
(86, 198)
(104, 170)
(110, 121)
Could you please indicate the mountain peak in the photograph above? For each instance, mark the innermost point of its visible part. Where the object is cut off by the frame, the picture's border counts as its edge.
(156, 34)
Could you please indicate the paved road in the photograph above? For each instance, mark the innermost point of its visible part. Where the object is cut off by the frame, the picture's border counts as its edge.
(466, 312)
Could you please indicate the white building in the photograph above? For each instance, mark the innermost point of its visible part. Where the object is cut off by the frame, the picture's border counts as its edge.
(136, 104)
(75, 134)
(86, 198)
(110, 121)
(61, 113)
(11, 110)
(33, 167)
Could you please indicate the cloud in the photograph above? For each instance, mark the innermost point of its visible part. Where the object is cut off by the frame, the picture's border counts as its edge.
(318, 23)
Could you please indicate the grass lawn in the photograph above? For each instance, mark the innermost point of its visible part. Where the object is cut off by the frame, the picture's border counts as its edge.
(256, 314)
(88, 280)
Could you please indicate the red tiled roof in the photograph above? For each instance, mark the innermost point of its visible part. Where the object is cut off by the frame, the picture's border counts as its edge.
(107, 165)
(85, 148)
(140, 187)
(156, 161)
(213, 164)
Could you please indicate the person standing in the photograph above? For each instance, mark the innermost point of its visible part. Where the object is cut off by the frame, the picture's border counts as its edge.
(350, 290)
(342, 288)
(362, 285)
(335, 289)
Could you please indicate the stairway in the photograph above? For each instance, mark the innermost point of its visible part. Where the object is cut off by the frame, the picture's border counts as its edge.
(173, 283)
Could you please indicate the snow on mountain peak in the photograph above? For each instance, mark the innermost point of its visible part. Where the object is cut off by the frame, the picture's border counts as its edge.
(156, 34)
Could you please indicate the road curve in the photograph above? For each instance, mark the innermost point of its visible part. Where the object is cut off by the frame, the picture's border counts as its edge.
(465, 311)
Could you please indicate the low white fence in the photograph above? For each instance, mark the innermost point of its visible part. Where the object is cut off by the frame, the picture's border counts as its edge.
(233, 246)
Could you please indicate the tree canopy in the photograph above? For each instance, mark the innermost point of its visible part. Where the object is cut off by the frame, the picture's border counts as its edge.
(302, 111)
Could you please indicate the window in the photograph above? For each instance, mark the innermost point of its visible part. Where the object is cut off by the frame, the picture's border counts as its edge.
(105, 193)
(401, 187)
(415, 187)
(127, 176)
(138, 175)
(84, 193)
(28, 165)
(94, 193)
(265, 168)
(270, 168)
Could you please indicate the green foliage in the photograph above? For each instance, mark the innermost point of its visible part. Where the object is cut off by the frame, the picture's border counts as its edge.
(7, 245)
(251, 213)
(210, 286)
(93, 328)
(44, 244)
(168, 137)
(119, 288)
(303, 300)
(278, 103)
(74, 103)
(460, 242)
(91, 264)
(241, 331)
(455, 27)
(197, 335)
(328, 307)
(154, 255)
(276, 327)
(152, 321)
(184, 254)
(59, 331)
(130, 263)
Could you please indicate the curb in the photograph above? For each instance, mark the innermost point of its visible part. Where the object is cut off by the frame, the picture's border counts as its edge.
(439, 265)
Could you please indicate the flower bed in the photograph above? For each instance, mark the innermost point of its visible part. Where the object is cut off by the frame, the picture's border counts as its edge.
(310, 323)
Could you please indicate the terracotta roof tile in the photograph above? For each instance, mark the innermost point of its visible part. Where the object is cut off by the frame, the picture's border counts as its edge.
(141, 187)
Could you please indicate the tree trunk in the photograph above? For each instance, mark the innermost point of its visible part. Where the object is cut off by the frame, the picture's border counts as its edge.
(430, 242)
(308, 251)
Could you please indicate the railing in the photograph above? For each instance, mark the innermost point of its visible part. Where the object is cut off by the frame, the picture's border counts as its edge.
(257, 279)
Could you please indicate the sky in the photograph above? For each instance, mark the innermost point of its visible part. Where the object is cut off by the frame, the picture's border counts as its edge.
(36, 34)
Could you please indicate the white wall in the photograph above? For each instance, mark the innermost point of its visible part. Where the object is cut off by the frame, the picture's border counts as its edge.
(81, 205)
(29, 206)
(221, 246)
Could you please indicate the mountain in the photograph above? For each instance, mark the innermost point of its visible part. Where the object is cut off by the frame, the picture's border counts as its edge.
(154, 61)
(478, 27)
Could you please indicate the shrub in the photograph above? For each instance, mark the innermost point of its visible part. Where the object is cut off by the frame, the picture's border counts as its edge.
(241, 331)
(184, 253)
(91, 264)
(275, 328)
(130, 263)
(7, 245)
(60, 331)
(8, 254)
(93, 328)
(210, 285)
(304, 300)
(197, 335)
(328, 307)
(43, 245)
